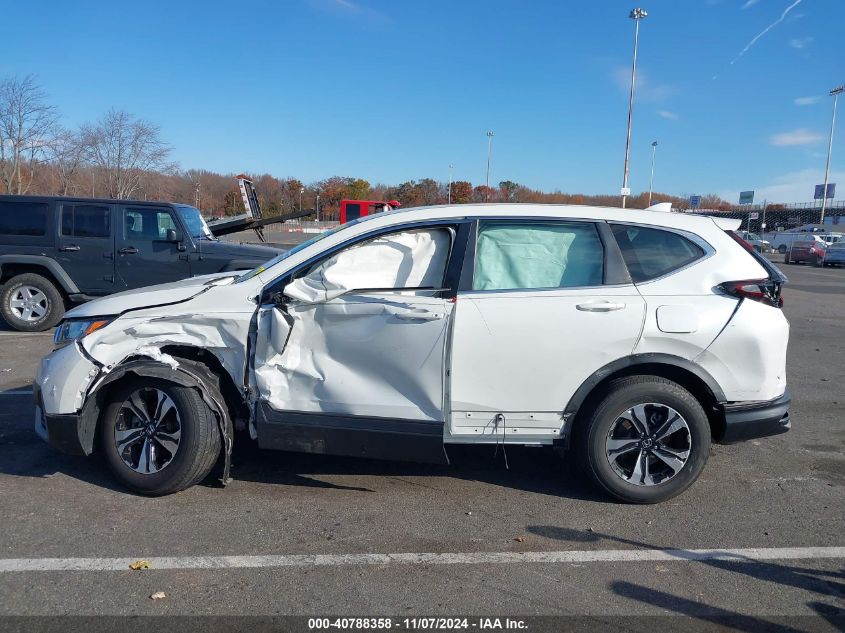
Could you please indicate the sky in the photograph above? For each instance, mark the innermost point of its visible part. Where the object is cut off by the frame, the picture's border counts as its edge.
(735, 92)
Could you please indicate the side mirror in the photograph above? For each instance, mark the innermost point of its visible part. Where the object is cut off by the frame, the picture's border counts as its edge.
(173, 235)
(308, 291)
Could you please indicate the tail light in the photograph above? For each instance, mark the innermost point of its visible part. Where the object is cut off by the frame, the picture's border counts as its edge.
(763, 290)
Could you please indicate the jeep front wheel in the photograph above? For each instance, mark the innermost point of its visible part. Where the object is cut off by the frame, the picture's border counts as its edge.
(31, 303)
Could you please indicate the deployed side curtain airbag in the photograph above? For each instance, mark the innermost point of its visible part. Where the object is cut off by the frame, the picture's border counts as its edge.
(409, 259)
(537, 255)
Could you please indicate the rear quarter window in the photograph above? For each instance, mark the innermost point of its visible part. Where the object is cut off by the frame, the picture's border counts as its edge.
(23, 218)
(651, 253)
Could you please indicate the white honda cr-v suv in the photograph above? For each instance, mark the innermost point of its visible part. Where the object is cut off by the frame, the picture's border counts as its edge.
(633, 338)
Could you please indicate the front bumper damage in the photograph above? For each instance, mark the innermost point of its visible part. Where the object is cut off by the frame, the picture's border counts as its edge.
(749, 420)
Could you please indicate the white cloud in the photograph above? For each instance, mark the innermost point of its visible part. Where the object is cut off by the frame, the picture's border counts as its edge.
(667, 114)
(800, 42)
(800, 136)
(766, 30)
(796, 186)
(802, 101)
(750, 3)
(645, 89)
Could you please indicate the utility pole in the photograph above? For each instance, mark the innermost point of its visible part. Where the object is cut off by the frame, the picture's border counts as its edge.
(197, 195)
(636, 15)
(835, 94)
(489, 153)
(651, 180)
(317, 207)
(451, 167)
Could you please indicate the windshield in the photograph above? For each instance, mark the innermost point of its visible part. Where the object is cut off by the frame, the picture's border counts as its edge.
(278, 258)
(194, 222)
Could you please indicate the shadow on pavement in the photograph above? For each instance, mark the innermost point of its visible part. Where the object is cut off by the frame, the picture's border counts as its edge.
(823, 582)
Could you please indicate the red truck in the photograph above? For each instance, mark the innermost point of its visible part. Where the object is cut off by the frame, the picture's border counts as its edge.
(354, 209)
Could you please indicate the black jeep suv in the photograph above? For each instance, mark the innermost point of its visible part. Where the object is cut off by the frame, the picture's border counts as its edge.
(55, 251)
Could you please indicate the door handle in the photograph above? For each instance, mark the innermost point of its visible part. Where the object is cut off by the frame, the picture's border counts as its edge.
(599, 306)
(128, 250)
(422, 315)
(69, 247)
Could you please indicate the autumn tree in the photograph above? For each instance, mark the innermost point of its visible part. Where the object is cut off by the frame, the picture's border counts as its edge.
(66, 153)
(509, 189)
(124, 148)
(461, 192)
(27, 124)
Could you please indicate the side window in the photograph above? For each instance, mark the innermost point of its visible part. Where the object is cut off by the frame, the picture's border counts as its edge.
(651, 253)
(84, 220)
(537, 254)
(410, 259)
(23, 218)
(147, 224)
(353, 211)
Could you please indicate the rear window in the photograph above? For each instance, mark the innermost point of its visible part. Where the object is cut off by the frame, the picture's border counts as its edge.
(85, 220)
(23, 218)
(652, 253)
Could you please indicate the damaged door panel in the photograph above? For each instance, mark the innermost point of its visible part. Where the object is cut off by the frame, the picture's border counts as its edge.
(353, 363)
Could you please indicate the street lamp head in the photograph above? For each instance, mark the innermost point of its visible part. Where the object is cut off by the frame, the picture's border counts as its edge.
(489, 133)
(654, 143)
(637, 14)
(837, 91)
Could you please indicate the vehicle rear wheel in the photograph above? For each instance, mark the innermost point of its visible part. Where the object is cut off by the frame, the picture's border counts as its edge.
(818, 262)
(782, 249)
(159, 437)
(31, 303)
(647, 440)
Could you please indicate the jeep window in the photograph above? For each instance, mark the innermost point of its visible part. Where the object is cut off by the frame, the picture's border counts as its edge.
(84, 220)
(529, 255)
(23, 218)
(194, 222)
(147, 224)
(652, 253)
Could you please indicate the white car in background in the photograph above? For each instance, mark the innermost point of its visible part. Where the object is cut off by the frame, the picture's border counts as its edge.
(632, 338)
(760, 245)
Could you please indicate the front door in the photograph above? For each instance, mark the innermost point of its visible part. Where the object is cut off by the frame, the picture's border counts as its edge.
(144, 255)
(538, 320)
(86, 246)
(354, 362)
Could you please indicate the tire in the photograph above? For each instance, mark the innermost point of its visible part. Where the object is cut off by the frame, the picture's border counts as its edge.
(31, 303)
(612, 417)
(197, 444)
(818, 262)
(782, 249)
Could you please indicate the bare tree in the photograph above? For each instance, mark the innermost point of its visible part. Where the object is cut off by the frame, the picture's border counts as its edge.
(125, 148)
(26, 125)
(66, 154)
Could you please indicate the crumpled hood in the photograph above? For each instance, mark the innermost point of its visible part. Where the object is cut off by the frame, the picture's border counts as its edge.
(150, 296)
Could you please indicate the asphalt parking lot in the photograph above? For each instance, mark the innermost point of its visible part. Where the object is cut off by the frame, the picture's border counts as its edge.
(313, 535)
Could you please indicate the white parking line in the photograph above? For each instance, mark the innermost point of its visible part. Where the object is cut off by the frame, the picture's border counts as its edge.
(473, 558)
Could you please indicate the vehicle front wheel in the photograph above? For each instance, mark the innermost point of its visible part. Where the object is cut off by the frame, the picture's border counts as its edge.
(158, 437)
(31, 303)
(647, 440)
(782, 249)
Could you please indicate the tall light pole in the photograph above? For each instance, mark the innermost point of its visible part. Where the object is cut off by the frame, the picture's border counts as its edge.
(317, 207)
(301, 191)
(636, 15)
(835, 94)
(451, 167)
(651, 180)
(489, 153)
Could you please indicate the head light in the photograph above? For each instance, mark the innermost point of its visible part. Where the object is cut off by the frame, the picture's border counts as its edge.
(74, 329)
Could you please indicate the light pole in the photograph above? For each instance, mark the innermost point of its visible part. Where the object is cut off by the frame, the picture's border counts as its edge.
(451, 167)
(301, 191)
(317, 207)
(835, 94)
(651, 180)
(489, 153)
(636, 15)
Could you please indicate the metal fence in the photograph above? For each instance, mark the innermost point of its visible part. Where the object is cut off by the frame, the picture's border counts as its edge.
(759, 218)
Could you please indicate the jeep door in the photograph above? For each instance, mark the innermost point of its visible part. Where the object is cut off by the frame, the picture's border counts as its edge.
(543, 304)
(86, 245)
(145, 255)
(353, 361)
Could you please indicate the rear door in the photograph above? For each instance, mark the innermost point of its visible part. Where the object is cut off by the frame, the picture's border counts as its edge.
(144, 255)
(86, 245)
(544, 309)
